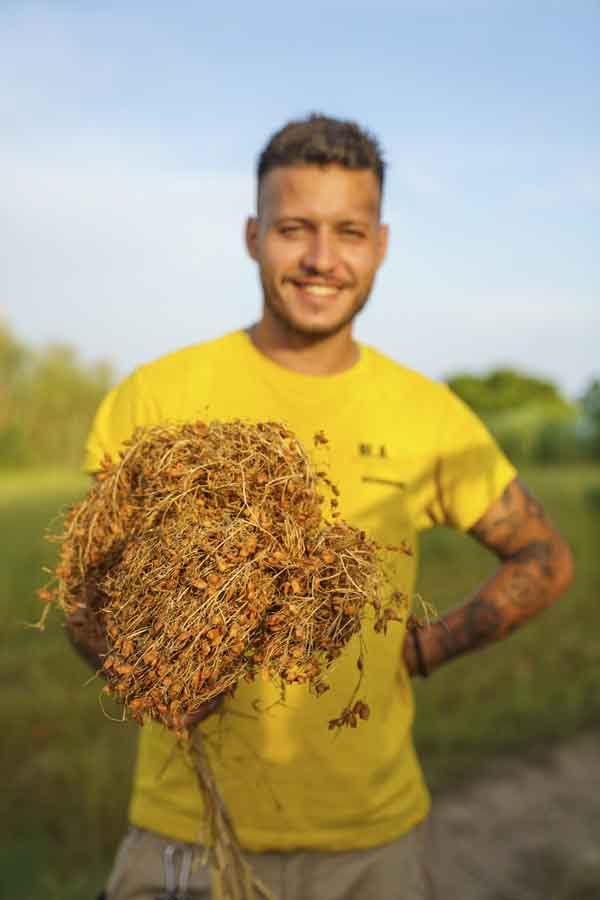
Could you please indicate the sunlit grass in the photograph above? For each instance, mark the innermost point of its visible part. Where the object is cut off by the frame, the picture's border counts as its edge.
(69, 772)
(21, 485)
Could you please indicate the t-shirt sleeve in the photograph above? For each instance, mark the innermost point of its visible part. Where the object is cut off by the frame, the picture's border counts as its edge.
(126, 407)
(471, 472)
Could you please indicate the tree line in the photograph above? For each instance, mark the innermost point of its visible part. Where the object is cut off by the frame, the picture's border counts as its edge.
(532, 421)
(48, 398)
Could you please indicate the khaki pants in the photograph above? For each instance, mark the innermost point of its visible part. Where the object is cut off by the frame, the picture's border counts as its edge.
(151, 867)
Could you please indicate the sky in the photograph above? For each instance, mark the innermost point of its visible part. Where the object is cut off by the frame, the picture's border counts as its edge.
(130, 132)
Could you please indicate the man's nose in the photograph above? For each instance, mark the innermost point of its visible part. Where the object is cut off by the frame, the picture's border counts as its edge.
(320, 255)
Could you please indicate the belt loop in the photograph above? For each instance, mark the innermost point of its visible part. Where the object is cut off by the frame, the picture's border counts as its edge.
(177, 866)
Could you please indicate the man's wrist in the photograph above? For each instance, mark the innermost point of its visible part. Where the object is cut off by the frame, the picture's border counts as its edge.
(420, 664)
(428, 646)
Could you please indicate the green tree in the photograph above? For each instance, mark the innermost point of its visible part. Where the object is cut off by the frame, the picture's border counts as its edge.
(589, 425)
(14, 362)
(62, 396)
(504, 389)
(529, 417)
(590, 402)
(48, 397)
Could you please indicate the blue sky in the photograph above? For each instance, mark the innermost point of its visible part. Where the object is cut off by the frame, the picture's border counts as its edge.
(130, 132)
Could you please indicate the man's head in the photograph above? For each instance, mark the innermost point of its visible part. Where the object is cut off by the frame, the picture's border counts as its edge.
(317, 236)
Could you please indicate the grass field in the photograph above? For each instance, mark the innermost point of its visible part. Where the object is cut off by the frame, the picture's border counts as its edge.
(67, 770)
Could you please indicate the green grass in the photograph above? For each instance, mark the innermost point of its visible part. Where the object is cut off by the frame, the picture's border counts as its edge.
(67, 771)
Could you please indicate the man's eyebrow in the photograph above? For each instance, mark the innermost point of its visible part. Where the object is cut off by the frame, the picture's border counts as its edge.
(343, 223)
(300, 219)
(354, 223)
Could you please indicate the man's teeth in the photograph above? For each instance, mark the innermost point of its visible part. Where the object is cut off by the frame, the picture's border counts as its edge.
(319, 290)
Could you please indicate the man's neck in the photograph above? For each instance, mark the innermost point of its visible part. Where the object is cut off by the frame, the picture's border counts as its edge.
(306, 355)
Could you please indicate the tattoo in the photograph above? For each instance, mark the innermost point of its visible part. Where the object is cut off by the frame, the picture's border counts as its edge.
(515, 508)
(473, 625)
(539, 552)
(482, 621)
(535, 568)
(488, 526)
(521, 592)
(533, 509)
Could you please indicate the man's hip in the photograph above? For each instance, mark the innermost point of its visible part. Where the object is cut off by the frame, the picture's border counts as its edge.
(149, 866)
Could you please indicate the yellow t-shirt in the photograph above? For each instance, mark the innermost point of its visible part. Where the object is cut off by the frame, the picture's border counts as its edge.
(406, 454)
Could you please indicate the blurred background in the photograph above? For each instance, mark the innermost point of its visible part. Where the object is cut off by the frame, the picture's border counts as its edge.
(130, 134)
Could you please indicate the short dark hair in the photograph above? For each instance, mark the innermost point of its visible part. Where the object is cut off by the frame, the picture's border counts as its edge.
(321, 141)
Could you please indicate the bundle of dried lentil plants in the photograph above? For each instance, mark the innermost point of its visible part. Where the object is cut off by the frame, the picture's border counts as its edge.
(206, 557)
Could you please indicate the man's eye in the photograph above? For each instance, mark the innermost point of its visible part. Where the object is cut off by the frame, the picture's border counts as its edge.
(352, 232)
(290, 229)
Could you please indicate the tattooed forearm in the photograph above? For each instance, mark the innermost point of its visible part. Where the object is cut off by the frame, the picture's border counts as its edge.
(539, 552)
(536, 566)
(503, 525)
(511, 597)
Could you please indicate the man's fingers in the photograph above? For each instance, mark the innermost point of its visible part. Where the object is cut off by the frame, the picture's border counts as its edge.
(203, 711)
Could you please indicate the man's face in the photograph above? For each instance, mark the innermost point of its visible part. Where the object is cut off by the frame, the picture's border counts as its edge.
(318, 242)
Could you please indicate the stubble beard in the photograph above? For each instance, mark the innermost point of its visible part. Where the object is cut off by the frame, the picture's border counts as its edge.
(316, 332)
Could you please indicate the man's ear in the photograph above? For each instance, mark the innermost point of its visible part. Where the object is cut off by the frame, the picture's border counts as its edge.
(382, 240)
(251, 235)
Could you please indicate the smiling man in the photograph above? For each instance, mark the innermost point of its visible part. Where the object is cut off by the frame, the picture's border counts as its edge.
(318, 241)
(324, 816)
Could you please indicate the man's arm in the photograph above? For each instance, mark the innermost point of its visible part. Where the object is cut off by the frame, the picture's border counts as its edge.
(86, 634)
(536, 567)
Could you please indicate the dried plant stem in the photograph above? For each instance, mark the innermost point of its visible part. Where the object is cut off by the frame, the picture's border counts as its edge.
(233, 878)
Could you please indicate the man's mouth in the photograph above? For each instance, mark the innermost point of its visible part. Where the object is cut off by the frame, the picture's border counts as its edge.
(317, 290)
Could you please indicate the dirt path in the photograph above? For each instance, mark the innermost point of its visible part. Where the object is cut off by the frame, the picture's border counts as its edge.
(524, 831)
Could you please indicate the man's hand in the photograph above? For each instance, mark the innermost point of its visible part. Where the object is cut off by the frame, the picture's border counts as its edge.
(203, 711)
(537, 566)
(88, 638)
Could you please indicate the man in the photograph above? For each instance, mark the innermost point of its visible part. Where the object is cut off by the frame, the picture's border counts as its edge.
(326, 817)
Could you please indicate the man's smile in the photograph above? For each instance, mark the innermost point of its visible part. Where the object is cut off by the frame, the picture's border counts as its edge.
(316, 289)
(319, 290)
